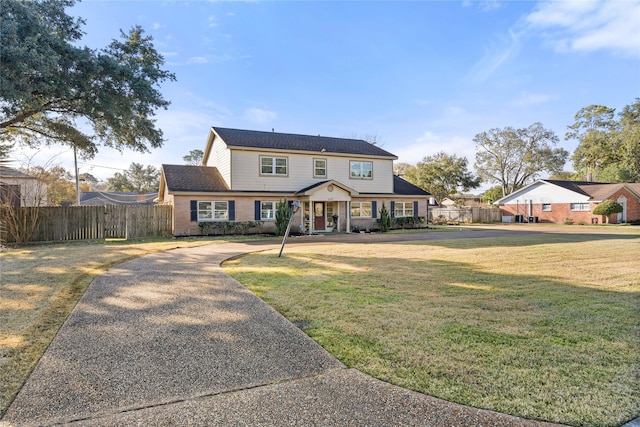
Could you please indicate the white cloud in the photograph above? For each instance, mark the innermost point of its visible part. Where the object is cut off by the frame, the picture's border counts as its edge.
(157, 25)
(212, 22)
(258, 115)
(589, 25)
(198, 60)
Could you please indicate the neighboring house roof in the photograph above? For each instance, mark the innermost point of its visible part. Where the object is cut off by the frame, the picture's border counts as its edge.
(7, 172)
(402, 187)
(199, 179)
(101, 198)
(292, 142)
(595, 191)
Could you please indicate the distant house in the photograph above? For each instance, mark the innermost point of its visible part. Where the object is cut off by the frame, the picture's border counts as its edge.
(19, 189)
(102, 198)
(468, 201)
(557, 201)
(340, 183)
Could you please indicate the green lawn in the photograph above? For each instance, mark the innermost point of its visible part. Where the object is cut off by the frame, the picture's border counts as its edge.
(539, 326)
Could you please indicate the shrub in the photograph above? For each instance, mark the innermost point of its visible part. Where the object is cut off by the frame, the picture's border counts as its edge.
(283, 213)
(607, 208)
(568, 221)
(407, 222)
(385, 219)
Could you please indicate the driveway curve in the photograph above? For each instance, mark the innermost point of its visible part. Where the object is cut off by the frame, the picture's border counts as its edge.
(169, 339)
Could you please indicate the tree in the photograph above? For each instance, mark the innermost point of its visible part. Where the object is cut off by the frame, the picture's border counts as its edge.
(595, 127)
(513, 158)
(608, 148)
(385, 219)
(60, 188)
(194, 157)
(492, 194)
(442, 175)
(607, 208)
(48, 83)
(137, 178)
(283, 213)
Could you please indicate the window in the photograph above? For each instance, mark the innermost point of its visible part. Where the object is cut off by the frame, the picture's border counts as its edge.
(546, 207)
(580, 206)
(403, 209)
(267, 210)
(361, 170)
(213, 211)
(273, 165)
(361, 209)
(319, 168)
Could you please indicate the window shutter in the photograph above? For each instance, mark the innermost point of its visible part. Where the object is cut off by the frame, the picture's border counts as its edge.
(392, 209)
(194, 210)
(415, 208)
(374, 209)
(232, 210)
(256, 211)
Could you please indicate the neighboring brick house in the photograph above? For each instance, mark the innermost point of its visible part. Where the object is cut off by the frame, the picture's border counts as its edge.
(557, 201)
(340, 183)
(19, 189)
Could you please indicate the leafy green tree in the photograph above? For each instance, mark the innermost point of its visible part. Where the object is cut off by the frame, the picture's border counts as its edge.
(514, 158)
(194, 157)
(606, 208)
(137, 178)
(404, 170)
(385, 219)
(442, 175)
(492, 194)
(283, 213)
(60, 187)
(49, 83)
(609, 148)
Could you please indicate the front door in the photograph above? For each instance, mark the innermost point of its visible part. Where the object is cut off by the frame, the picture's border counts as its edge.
(318, 216)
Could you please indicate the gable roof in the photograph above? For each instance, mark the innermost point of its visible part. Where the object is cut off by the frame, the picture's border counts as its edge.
(193, 178)
(326, 183)
(293, 142)
(7, 172)
(402, 187)
(595, 191)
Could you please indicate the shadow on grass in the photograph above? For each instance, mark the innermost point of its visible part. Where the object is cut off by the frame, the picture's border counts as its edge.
(525, 344)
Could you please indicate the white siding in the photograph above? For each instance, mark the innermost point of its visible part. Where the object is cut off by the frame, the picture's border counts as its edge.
(545, 193)
(220, 158)
(245, 174)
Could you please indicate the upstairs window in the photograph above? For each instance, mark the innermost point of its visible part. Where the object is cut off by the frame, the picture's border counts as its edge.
(361, 170)
(319, 168)
(273, 166)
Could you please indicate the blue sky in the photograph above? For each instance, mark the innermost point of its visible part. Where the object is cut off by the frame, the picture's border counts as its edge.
(419, 76)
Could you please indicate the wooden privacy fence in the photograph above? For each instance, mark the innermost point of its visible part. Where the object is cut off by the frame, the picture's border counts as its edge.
(44, 224)
(465, 215)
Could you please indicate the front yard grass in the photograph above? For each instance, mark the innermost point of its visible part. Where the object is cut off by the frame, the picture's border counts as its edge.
(538, 326)
(41, 284)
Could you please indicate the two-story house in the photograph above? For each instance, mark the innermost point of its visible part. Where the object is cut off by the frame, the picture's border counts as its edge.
(340, 183)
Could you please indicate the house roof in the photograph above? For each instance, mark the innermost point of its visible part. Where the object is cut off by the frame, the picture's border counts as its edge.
(193, 178)
(595, 191)
(402, 187)
(99, 198)
(293, 142)
(326, 183)
(7, 172)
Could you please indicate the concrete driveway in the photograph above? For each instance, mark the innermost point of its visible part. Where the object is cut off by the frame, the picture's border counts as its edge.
(169, 339)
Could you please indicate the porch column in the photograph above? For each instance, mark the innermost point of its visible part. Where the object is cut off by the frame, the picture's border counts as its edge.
(311, 217)
(347, 214)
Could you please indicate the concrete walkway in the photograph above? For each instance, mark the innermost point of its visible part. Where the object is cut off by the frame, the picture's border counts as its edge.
(170, 339)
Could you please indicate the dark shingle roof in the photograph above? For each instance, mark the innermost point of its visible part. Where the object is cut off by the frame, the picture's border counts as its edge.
(575, 186)
(193, 178)
(7, 172)
(287, 141)
(400, 186)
